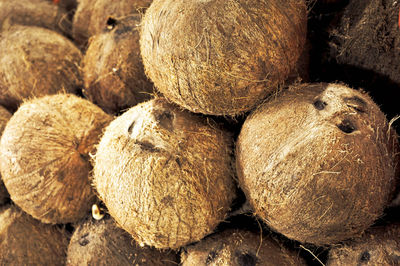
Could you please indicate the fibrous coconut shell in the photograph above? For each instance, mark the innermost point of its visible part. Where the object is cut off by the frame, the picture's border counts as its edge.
(45, 151)
(238, 248)
(26, 241)
(318, 162)
(221, 57)
(112, 67)
(165, 174)
(4, 117)
(35, 62)
(104, 243)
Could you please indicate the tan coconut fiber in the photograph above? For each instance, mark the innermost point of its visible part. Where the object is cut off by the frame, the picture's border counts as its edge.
(4, 117)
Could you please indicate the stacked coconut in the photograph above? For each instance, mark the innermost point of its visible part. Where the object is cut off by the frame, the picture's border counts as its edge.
(134, 130)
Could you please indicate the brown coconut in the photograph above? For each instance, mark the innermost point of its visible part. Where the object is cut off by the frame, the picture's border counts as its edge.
(91, 15)
(238, 248)
(317, 163)
(39, 13)
(45, 151)
(165, 174)
(103, 243)
(35, 62)
(221, 57)
(112, 67)
(377, 246)
(4, 117)
(26, 241)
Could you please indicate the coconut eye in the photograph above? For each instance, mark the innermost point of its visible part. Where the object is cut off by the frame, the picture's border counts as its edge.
(164, 119)
(246, 259)
(347, 126)
(319, 105)
(132, 125)
(365, 256)
(111, 23)
(356, 103)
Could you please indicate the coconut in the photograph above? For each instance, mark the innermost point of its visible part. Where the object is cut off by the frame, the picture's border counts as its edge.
(318, 163)
(377, 246)
(45, 151)
(34, 13)
(238, 248)
(103, 243)
(165, 174)
(26, 241)
(112, 67)
(91, 15)
(35, 62)
(4, 117)
(221, 57)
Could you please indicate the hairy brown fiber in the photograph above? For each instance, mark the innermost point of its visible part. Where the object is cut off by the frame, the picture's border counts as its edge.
(112, 67)
(45, 151)
(165, 174)
(221, 57)
(4, 117)
(238, 248)
(26, 241)
(35, 62)
(318, 162)
(103, 243)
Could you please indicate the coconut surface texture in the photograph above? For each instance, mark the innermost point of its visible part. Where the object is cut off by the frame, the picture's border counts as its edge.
(164, 174)
(91, 15)
(45, 151)
(103, 243)
(35, 62)
(221, 57)
(112, 67)
(26, 241)
(4, 117)
(238, 248)
(377, 246)
(318, 162)
(40, 13)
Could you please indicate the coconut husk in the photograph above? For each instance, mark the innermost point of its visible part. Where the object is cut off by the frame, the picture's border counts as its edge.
(91, 15)
(39, 13)
(45, 151)
(165, 174)
(112, 67)
(221, 57)
(238, 248)
(35, 62)
(4, 117)
(377, 246)
(318, 163)
(103, 243)
(26, 241)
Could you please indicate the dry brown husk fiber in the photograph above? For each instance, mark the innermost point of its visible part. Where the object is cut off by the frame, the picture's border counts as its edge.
(103, 243)
(318, 162)
(45, 151)
(112, 67)
(221, 57)
(26, 241)
(165, 174)
(236, 247)
(35, 62)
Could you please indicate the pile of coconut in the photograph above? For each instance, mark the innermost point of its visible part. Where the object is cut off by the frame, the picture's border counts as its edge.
(173, 132)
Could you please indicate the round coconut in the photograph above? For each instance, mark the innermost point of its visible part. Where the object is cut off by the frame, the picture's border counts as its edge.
(35, 62)
(318, 163)
(45, 151)
(4, 117)
(103, 243)
(39, 13)
(113, 71)
(26, 241)
(91, 15)
(238, 248)
(221, 57)
(164, 174)
(377, 246)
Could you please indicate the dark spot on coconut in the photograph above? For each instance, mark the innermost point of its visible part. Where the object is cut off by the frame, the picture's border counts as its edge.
(164, 118)
(111, 23)
(84, 157)
(178, 161)
(347, 126)
(246, 259)
(61, 176)
(319, 105)
(123, 29)
(356, 103)
(130, 128)
(147, 146)
(211, 256)
(365, 256)
(83, 241)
